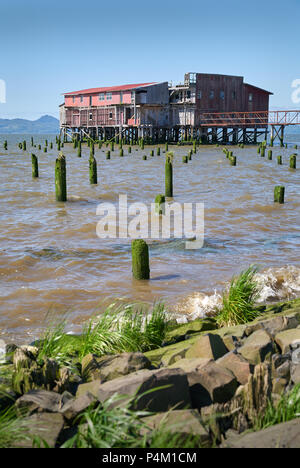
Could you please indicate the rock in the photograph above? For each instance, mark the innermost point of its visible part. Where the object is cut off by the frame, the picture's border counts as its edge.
(220, 383)
(181, 422)
(9, 352)
(42, 400)
(45, 426)
(26, 379)
(295, 373)
(239, 366)
(50, 372)
(175, 391)
(286, 338)
(173, 356)
(189, 365)
(251, 328)
(257, 348)
(207, 346)
(74, 407)
(279, 324)
(231, 342)
(111, 367)
(181, 332)
(23, 359)
(257, 392)
(285, 435)
(279, 385)
(283, 371)
(67, 382)
(170, 353)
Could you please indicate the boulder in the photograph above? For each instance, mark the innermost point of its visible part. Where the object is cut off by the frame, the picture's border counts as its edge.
(218, 382)
(257, 348)
(111, 367)
(184, 423)
(181, 332)
(46, 427)
(295, 373)
(279, 324)
(285, 435)
(238, 365)
(207, 346)
(73, 408)
(287, 338)
(169, 389)
(42, 401)
(279, 385)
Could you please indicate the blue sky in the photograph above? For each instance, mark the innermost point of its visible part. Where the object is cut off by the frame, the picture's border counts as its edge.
(47, 48)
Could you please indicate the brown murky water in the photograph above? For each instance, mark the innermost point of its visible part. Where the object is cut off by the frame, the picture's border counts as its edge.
(51, 258)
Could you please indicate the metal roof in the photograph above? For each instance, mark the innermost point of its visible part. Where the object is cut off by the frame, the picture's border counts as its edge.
(109, 89)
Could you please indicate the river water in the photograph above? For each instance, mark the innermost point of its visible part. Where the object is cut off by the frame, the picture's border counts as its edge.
(52, 260)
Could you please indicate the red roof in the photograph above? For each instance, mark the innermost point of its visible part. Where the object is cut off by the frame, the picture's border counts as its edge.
(111, 88)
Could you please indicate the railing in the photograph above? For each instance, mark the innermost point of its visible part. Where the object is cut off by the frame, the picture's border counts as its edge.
(254, 118)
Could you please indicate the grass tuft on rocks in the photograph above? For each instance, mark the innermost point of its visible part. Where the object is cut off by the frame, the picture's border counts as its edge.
(114, 425)
(13, 428)
(127, 328)
(286, 409)
(239, 302)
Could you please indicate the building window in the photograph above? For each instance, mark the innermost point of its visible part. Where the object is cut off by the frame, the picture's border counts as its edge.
(199, 95)
(222, 95)
(74, 99)
(81, 98)
(121, 97)
(91, 116)
(132, 97)
(91, 100)
(192, 78)
(110, 115)
(234, 95)
(101, 97)
(188, 94)
(250, 97)
(211, 94)
(108, 96)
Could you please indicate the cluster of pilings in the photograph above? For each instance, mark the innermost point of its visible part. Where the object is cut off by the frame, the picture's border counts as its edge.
(153, 135)
(140, 250)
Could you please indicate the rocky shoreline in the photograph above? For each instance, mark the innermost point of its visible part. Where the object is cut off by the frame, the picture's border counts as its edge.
(212, 384)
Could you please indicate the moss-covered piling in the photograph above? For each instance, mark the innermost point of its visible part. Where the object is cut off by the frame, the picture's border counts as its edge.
(61, 178)
(140, 259)
(35, 166)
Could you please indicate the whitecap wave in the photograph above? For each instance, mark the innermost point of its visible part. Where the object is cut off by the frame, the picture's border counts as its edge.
(276, 284)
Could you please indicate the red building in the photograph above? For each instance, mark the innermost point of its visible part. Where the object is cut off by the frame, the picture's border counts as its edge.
(160, 110)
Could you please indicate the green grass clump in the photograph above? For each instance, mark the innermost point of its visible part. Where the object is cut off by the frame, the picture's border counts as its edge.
(286, 409)
(13, 428)
(239, 301)
(128, 328)
(114, 425)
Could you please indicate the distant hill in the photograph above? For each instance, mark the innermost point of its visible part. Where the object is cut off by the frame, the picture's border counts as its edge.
(44, 125)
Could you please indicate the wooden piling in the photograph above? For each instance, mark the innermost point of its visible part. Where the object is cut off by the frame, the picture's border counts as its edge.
(159, 204)
(279, 192)
(169, 175)
(61, 178)
(293, 161)
(35, 166)
(93, 171)
(140, 259)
